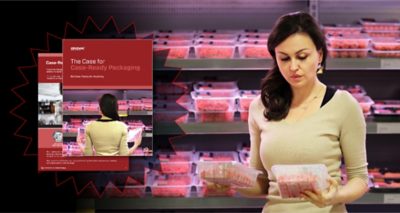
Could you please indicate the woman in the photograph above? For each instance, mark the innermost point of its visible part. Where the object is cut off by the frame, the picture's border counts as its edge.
(299, 120)
(108, 136)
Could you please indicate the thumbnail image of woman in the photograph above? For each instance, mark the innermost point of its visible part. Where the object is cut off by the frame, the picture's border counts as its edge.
(107, 136)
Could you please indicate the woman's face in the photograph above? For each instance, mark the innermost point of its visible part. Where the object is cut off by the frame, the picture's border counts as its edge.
(298, 59)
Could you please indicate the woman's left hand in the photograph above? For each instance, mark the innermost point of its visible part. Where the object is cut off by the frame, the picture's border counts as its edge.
(323, 198)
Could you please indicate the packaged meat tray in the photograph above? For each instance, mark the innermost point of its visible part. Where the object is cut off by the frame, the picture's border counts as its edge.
(294, 179)
(177, 162)
(385, 186)
(381, 26)
(136, 105)
(244, 114)
(205, 101)
(227, 35)
(227, 173)
(214, 116)
(209, 189)
(385, 54)
(386, 108)
(229, 87)
(388, 34)
(171, 185)
(217, 156)
(253, 49)
(177, 49)
(366, 103)
(360, 41)
(347, 53)
(170, 112)
(245, 98)
(337, 30)
(216, 49)
(386, 44)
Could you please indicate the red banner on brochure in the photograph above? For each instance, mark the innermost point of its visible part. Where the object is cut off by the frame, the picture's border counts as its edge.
(107, 64)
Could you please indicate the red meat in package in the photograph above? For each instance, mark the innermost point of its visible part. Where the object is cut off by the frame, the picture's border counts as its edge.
(292, 180)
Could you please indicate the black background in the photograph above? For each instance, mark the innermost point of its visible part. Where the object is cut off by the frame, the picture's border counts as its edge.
(23, 26)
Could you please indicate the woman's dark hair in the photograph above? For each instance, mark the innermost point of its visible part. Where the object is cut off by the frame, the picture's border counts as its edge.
(276, 94)
(109, 106)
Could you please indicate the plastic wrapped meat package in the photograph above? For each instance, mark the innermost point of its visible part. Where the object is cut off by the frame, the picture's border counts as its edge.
(354, 90)
(213, 101)
(217, 156)
(294, 179)
(385, 54)
(254, 49)
(380, 26)
(224, 35)
(176, 49)
(347, 53)
(244, 100)
(384, 180)
(209, 189)
(215, 49)
(386, 108)
(171, 185)
(217, 116)
(246, 97)
(136, 105)
(360, 41)
(222, 88)
(365, 102)
(227, 173)
(337, 30)
(379, 34)
(386, 44)
(177, 162)
(134, 134)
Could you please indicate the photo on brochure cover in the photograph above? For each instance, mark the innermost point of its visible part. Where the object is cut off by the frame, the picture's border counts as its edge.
(107, 122)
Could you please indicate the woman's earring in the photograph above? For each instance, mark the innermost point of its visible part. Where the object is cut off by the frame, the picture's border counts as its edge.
(320, 69)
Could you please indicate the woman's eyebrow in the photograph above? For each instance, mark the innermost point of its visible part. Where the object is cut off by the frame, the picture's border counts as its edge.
(296, 52)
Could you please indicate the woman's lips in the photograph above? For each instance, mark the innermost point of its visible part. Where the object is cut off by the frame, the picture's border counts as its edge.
(295, 77)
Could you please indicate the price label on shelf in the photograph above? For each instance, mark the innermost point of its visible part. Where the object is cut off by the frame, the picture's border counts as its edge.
(391, 198)
(390, 63)
(387, 128)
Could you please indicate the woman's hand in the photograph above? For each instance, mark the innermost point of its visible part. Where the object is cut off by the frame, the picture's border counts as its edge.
(324, 198)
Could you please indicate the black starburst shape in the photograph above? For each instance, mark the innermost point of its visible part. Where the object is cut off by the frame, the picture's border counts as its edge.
(91, 184)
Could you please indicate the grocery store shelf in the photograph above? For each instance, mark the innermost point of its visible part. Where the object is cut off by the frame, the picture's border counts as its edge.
(73, 134)
(264, 64)
(121, 113)
(240, 127)
(216, 202)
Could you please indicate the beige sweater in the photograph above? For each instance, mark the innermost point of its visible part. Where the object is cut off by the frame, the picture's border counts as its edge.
(334, 131)
(108, 138)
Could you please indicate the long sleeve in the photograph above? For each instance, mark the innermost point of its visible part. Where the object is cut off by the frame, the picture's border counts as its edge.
(88, 144)
(352, 141)
(255, 138)
(123, 145)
